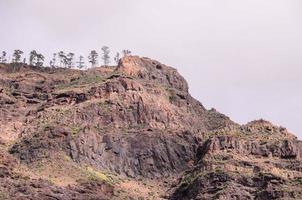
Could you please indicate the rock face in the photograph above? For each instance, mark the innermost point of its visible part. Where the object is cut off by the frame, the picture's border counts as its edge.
(136, 122)
(255, 161)
(17, 186)
(145, 68)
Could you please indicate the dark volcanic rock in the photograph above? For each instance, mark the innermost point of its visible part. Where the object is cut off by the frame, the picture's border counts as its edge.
(39, 189)
(150, 154)
(239, 167)
(287, 149)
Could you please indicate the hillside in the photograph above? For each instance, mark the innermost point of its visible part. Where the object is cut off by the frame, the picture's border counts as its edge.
(133, 132)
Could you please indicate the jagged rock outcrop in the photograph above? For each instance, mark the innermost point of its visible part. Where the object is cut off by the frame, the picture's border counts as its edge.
(152, 70)
(227, 185)
(17, 186)
(151, 154)
(255, 161)
(287, 149)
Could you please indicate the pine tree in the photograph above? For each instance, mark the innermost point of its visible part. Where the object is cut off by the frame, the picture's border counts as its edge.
(17, 56)
(62, 58)
(53, 61)
(69, 60)
(3, 57)
(126, 52)
(32, 57)
(40, 60)
(105, 56)
(93, 58)
(80, 62)
(117, 57)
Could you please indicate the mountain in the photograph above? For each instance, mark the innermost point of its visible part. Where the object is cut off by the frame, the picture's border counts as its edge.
(133, 131)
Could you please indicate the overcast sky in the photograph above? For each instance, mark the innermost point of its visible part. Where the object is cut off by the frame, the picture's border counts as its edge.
(242, 57)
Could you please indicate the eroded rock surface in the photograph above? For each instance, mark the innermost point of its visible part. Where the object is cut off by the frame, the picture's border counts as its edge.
(106, 129)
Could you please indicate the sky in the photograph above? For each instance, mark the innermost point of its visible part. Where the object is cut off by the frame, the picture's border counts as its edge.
(242, 57)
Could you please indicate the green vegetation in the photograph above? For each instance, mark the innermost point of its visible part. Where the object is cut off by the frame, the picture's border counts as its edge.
(219, 170)
(172, 94)
(90, 78)
(4, 195)
(67, 158)
(115, 74)
(104, 104)
(75, 131)
(298, 181)
(188, 180)
(45, 124)
(95, 175)
(100, 129)
(82, 80)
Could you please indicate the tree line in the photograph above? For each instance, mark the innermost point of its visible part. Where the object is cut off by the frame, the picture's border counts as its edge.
(63, 59)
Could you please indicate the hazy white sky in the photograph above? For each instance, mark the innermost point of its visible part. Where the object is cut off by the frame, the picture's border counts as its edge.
(243, 57)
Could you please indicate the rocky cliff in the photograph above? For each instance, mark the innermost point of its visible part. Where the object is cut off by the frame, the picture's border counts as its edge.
(133, 132)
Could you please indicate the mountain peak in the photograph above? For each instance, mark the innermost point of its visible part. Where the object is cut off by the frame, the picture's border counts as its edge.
(146, 68)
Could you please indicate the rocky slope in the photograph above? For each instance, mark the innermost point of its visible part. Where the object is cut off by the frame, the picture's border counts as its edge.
(133, 132)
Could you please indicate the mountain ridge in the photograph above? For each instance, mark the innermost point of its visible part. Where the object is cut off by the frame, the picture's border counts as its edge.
(118, 131)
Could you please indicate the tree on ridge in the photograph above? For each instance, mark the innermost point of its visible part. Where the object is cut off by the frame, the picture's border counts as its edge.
(93, 58)
(69, 60)
(105, 56)
(117, 57)
(3, 57)
(32, 57)
(80, 62)
(40, 60)
(126, 52)
(53, 61)
(62, 58)
(17, 56)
